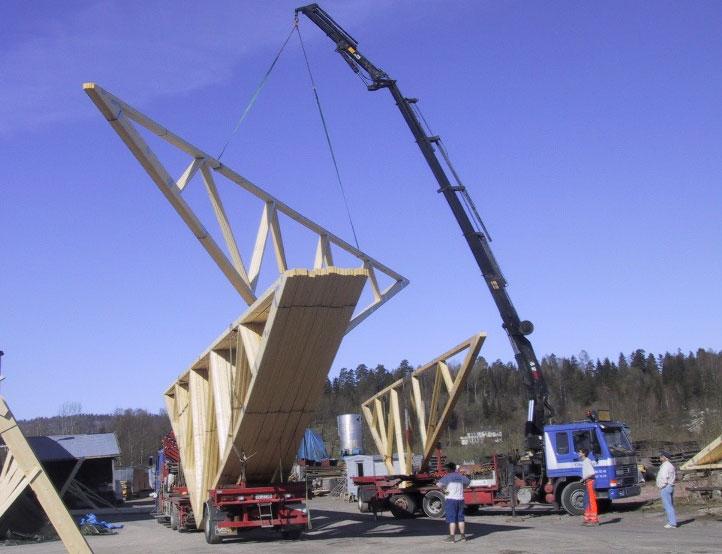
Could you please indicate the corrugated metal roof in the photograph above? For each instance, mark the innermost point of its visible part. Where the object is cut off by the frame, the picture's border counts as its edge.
(71, 447)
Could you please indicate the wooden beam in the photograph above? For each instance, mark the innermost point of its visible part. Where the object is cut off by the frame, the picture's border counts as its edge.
(222, 219)
(188, 174)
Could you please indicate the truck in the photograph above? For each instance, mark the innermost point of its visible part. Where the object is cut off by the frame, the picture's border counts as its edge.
(172, 503)
(547, 471)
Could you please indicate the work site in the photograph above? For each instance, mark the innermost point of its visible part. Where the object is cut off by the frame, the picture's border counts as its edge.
(421, 276)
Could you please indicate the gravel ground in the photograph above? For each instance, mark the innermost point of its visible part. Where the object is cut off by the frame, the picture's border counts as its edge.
(337, 526)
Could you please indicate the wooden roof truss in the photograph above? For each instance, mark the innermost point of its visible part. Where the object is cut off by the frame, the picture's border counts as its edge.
(423, 402)
(244, 277)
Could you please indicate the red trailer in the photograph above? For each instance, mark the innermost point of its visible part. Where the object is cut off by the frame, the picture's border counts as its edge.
(232, 509)
(406, 495)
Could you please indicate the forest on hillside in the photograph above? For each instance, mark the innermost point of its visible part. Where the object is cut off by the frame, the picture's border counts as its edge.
(674, 396)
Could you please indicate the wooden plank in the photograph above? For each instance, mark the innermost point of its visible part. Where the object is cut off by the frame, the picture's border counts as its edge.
(419, 408)
(400, 450)
(324, 256)
(222, 219)
(259, 248)
(188, 174)
(221, 382)
(277, 239)
(44, 490)
(446, 374)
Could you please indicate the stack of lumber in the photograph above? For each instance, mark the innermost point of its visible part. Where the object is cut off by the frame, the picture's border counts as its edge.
(240, 411)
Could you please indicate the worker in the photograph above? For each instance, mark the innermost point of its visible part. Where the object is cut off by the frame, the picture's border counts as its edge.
(665, 483)
(452, 484)
(591, 517)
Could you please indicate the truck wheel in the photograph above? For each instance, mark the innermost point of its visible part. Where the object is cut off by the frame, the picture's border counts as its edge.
(174, 517)
(210, 525)
(363, 507)
(471, 509)
(433, 504)
(292, 533)
(402, 506)
(572, 499)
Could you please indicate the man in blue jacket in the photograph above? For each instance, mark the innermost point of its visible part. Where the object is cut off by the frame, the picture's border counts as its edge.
(452, 484)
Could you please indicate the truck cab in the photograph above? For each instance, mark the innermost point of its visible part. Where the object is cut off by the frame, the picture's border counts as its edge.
(610, 450)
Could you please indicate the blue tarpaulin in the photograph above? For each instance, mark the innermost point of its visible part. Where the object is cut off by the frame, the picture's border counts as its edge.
(312, 447)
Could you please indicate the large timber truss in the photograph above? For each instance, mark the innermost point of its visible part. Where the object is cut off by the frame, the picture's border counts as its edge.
(387, 412)
(124, 119)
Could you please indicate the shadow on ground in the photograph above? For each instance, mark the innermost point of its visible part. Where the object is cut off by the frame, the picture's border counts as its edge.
(332, 525)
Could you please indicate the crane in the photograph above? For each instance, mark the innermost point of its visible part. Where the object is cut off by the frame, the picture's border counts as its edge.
(467, 216)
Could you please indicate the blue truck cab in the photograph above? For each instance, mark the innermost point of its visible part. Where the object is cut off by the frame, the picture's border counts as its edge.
(611, 452)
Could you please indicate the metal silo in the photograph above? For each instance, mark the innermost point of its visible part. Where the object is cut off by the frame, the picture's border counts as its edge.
(350, 434)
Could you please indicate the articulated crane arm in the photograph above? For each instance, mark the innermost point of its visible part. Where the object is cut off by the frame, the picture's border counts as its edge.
(465, 213)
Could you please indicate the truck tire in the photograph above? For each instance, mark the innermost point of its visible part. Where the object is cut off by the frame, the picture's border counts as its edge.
(433, 504)
(604, 505)
(210, 525)
(174, 517)
(471, 509)
(572, 498)
(363, 507)
(402, 506)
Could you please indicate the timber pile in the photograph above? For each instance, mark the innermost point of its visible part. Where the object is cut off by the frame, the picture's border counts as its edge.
(240, 411)
(703, 472)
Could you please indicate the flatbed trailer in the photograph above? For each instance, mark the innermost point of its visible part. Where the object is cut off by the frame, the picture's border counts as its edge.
(407, 495)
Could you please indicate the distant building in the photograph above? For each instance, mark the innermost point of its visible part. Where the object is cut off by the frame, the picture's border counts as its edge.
(481, 437)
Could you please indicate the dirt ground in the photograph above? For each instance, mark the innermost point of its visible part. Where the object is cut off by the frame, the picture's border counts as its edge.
(337, 526)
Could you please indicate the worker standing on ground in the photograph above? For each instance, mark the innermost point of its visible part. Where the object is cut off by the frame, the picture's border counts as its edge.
(666, 477)
(453, 484)
(591, 517)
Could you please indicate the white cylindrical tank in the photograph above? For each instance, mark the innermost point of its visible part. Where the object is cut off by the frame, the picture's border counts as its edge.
(350, 434)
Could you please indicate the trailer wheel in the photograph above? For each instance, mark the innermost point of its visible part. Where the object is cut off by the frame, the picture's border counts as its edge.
(402, 506)
(363, 507)
(174, 517)
(292, 533)
(210, 525)
(433, 504)
(572, 499)
(471, 509)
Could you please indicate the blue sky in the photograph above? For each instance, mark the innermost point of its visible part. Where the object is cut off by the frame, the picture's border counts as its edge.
(588, 135)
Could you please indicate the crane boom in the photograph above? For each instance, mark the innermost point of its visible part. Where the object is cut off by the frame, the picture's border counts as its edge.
(465, 213)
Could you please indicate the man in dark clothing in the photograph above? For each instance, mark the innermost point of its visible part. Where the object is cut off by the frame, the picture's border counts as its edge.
(452, 484)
